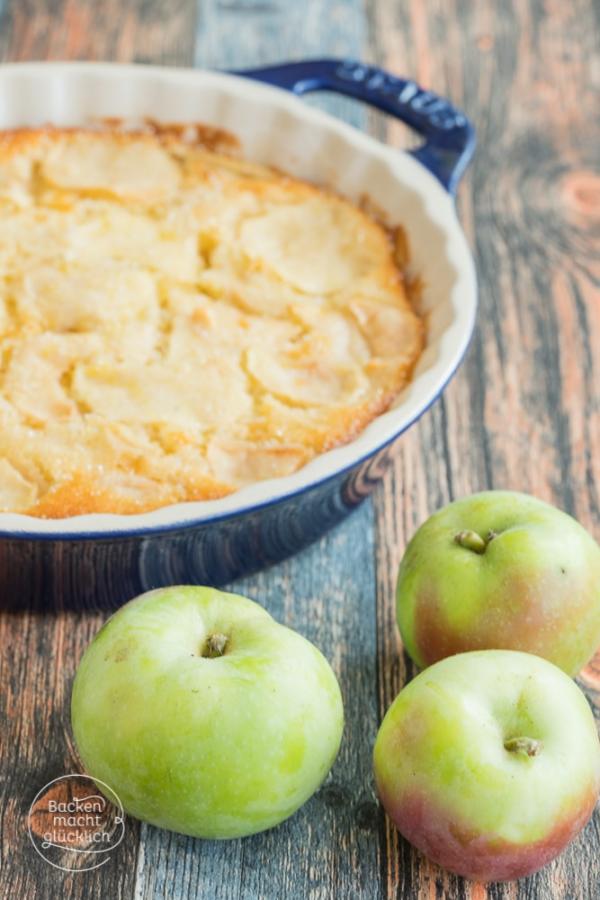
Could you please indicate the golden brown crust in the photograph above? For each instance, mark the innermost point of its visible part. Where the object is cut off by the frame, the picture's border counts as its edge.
(176, 322)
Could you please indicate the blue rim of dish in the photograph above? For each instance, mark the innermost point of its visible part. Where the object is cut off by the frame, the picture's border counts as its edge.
(448, 149)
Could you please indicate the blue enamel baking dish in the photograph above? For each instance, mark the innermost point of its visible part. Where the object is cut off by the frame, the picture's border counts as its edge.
(215, 541)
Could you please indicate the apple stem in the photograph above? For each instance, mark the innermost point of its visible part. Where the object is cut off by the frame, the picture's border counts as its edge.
(527, 745)
(470, 540)
(215, 645)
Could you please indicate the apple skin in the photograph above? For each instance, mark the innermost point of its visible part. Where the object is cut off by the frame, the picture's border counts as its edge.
(454, 791)
(536, 586)
(212, 747)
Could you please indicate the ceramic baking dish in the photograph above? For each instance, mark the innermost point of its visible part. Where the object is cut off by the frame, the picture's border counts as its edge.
(215, 541)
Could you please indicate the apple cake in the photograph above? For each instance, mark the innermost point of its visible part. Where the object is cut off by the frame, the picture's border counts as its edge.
(176, 322)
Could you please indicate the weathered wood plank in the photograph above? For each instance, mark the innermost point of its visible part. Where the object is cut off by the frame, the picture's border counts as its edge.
(36, 672)
(252, 33)
(330, 847)
(137, 31)
(523, 411)
(41, 647)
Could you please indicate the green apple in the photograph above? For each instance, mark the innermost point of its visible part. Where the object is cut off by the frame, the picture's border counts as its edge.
(489, 763)
(203, 714)
(500, 570)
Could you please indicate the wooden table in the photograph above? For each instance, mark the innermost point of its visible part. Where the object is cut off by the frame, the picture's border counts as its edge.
(522, 413)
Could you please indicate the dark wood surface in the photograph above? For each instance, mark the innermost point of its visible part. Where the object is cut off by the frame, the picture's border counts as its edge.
(522, 413)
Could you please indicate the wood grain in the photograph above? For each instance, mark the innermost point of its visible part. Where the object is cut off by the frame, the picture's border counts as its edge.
(332, 841)
(523, 413)
(332, 844)
(42, 643)
(140, 31)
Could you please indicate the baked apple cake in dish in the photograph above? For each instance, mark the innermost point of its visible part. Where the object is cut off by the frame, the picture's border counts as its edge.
(176, 323)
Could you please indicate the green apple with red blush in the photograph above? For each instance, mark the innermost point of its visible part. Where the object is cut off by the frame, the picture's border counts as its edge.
(204, 714)
(489, 763)
(500, 570)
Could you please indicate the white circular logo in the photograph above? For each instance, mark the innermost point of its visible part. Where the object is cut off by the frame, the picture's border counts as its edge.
(75, 822)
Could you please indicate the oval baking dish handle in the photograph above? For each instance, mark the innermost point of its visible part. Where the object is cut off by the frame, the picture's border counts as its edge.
(449, 136)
